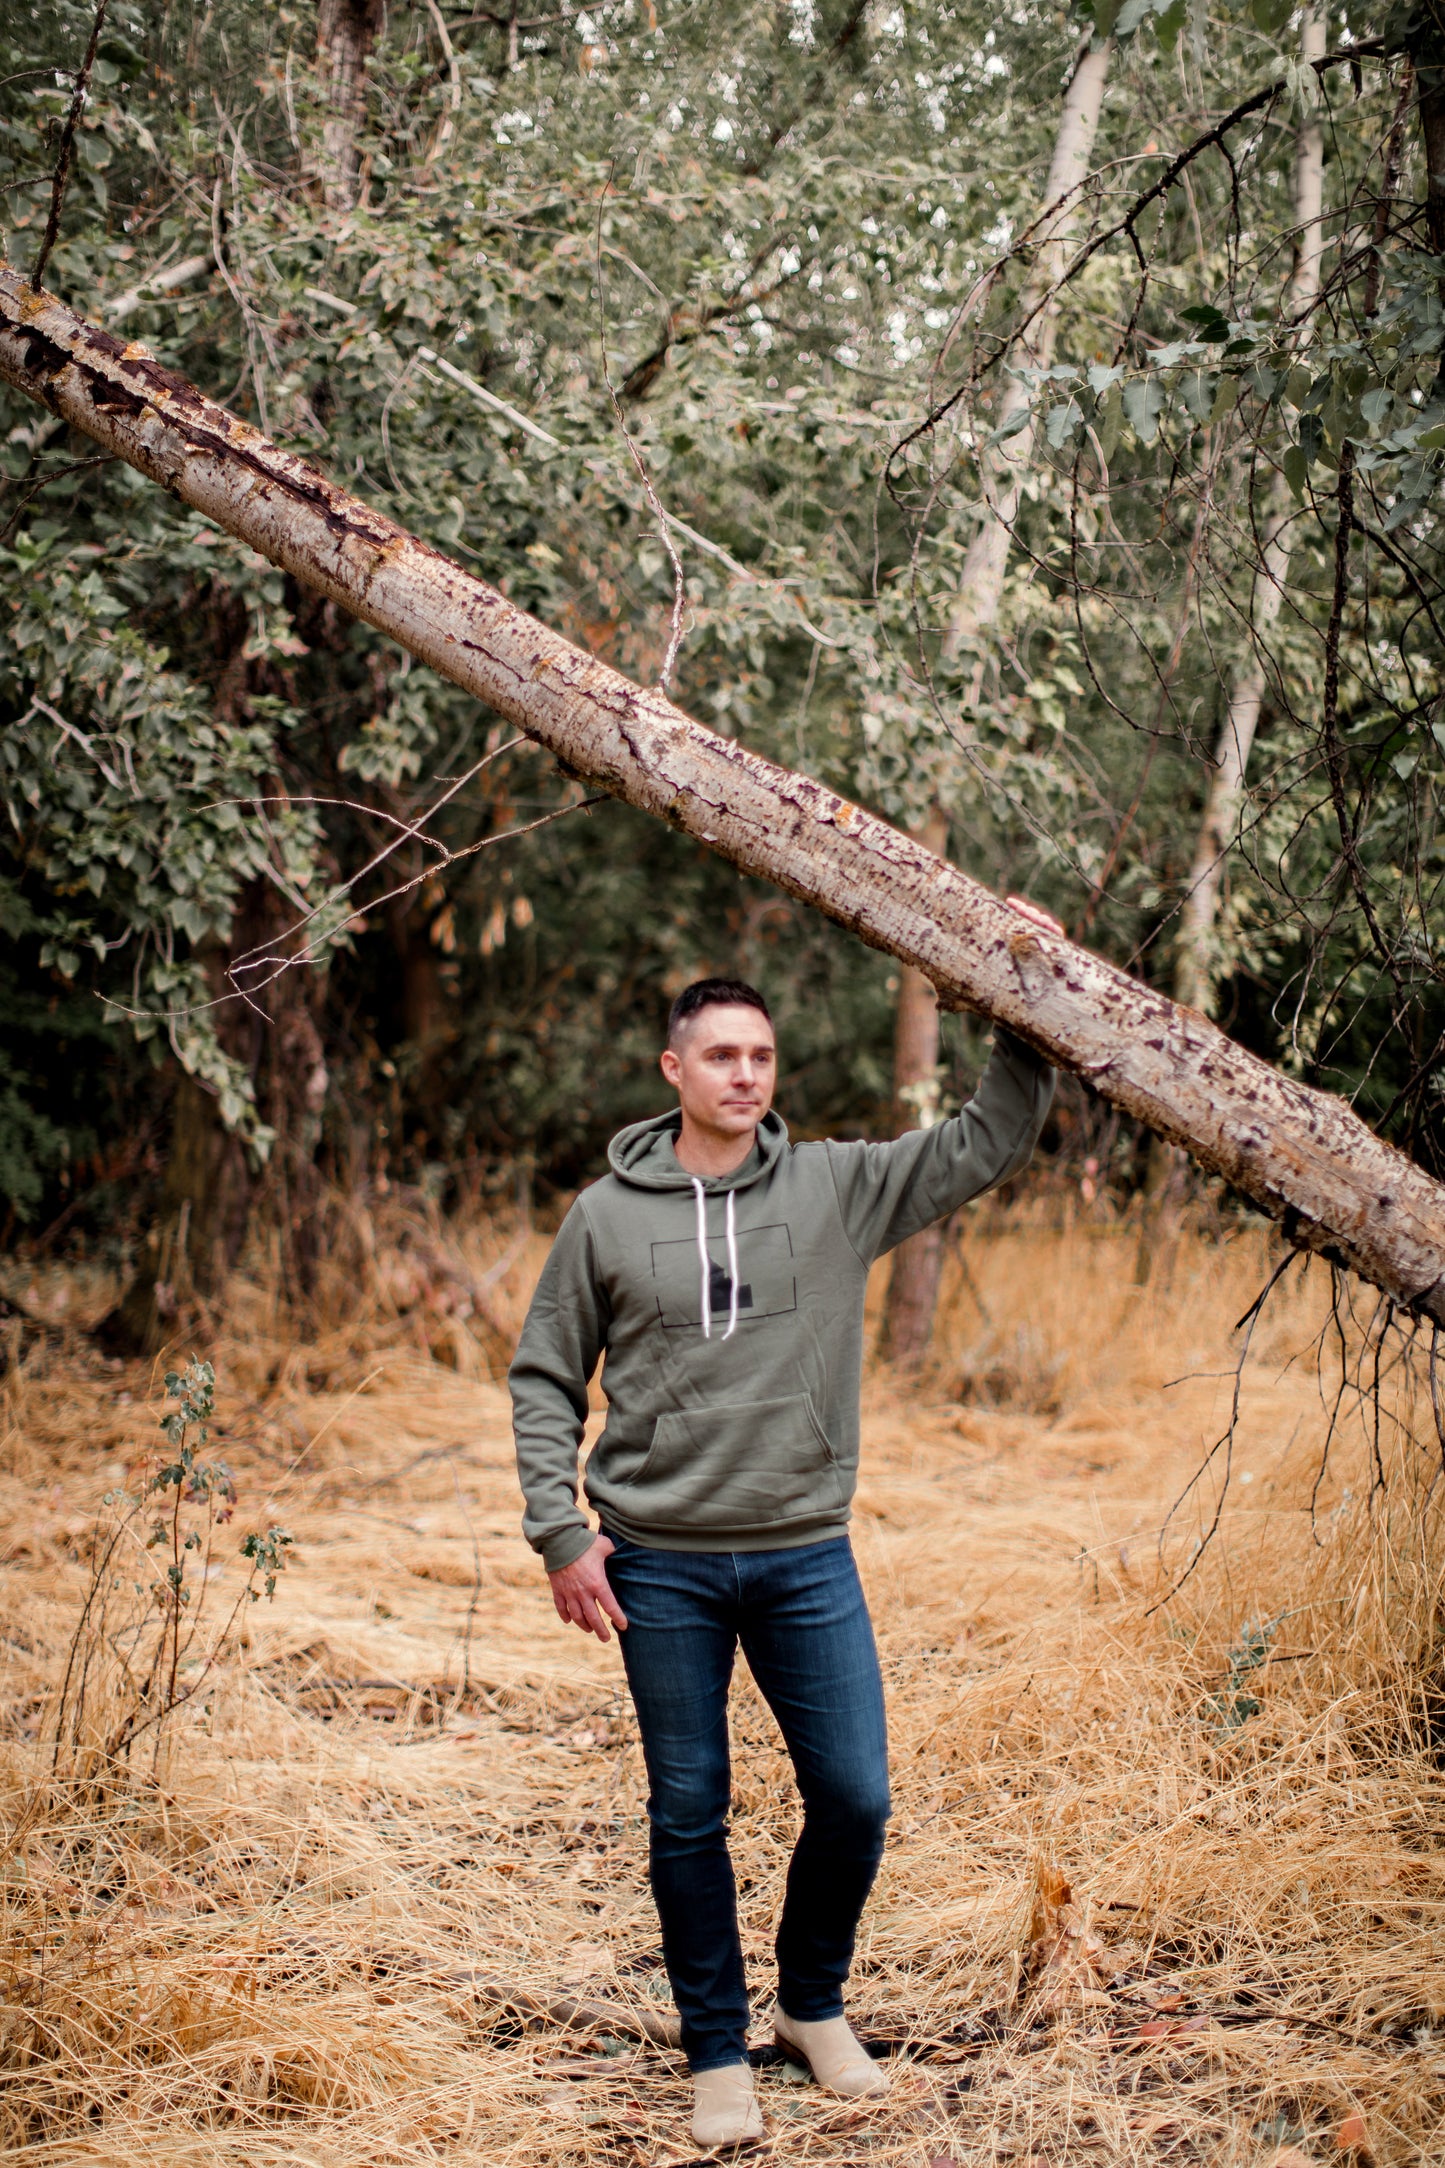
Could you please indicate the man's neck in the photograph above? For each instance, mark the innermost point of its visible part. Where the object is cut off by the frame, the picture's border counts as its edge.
(702, 1152)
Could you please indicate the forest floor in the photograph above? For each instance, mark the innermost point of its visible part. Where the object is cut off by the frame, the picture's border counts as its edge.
(1162, 1886)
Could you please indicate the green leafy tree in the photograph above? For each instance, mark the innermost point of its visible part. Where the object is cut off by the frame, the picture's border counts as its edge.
(469, 266)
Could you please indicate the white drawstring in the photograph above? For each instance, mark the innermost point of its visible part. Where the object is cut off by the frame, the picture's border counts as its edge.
(732, 1235)
(705, 1262)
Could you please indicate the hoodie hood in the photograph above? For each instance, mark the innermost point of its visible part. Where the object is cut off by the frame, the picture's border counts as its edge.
(643, 1155)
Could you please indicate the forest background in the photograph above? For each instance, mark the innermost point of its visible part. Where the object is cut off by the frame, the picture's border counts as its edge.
(1029, 423)
(1098, 546)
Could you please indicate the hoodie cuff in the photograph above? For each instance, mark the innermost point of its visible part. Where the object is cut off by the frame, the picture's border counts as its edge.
(567, 1546)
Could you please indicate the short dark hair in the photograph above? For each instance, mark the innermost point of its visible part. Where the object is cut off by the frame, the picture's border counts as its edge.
(712, 994)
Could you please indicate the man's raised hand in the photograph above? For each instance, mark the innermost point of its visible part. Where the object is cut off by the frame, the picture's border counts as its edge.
(583, 1595)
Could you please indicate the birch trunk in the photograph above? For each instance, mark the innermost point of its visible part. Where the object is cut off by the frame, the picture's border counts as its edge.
(1196, 955)
(1003, 466)
(913, 1281)
(917, 1263)
(1300, 1155)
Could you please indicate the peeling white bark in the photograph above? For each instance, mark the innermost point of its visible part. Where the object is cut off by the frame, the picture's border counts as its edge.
(1301, 1155)
(1196, 957)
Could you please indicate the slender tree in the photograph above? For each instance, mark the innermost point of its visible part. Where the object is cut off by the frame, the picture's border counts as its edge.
(914, 1277)
(346, 32)
(1005, 461)
(1196, 956)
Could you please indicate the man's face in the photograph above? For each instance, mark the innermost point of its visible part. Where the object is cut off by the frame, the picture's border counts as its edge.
(723, 1067)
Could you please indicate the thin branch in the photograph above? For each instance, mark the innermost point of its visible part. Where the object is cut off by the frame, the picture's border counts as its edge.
(269, 965)
(1225, 1442)
(67, 145)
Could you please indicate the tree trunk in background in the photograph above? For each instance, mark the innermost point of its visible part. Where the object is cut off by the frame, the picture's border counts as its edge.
(1196, 961)
(1003, 466)
(1196, 948)
(1429, 61)
(205, 1200)
(918, 1262)
(346, 30)
(426, 1023)
(1301, 1155)
(295, 1085)
(917, 1265)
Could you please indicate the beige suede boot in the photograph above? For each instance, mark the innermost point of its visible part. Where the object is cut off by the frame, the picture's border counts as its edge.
(725, 2109)
(833, 2052)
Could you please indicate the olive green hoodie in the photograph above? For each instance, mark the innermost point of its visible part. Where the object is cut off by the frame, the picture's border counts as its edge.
(730, 1313)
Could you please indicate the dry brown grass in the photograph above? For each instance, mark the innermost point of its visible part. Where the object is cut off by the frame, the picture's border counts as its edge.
(406, 1767)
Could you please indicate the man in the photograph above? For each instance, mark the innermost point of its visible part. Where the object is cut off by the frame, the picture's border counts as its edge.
(719, 1272)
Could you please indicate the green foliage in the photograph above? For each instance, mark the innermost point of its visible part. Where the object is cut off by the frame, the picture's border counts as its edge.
(804, 231)
(32, 1147)
(1232, 1707)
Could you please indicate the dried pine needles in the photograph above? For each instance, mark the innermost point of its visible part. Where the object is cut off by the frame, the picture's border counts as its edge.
(1163, 1886)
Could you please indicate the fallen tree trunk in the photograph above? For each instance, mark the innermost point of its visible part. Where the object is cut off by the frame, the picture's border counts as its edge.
(1299, 1154)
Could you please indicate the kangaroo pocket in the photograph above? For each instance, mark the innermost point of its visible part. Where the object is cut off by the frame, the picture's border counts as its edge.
(746, 1464)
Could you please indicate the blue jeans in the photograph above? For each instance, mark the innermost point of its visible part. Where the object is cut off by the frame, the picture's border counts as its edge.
(803, 1625)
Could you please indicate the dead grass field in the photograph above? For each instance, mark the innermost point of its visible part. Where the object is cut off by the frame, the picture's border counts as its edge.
(1137, 1907)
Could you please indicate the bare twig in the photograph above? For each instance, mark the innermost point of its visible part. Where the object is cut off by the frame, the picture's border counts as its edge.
(67, 145)
(1224, 1442)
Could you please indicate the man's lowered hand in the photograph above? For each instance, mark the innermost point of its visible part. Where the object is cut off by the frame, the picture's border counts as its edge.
(583, 1595)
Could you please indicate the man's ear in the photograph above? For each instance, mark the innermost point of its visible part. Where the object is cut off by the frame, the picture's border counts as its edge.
(671, 1067)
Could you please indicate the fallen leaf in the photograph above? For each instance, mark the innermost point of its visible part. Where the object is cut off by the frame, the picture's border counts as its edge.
(585, 1961)
(1150, 2125)
(1062, 1955)
(1051, 1894)
(1290, 2156)
(1170, 2028)
(1352, 2136)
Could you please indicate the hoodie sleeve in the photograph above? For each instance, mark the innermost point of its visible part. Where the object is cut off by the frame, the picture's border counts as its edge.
(887, 1192)
(561, 1344)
